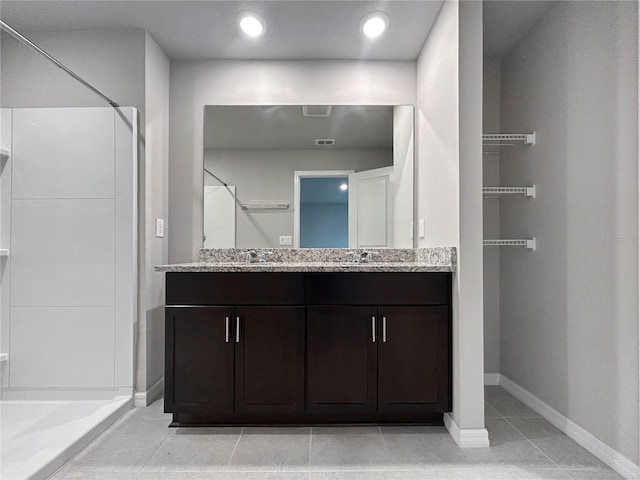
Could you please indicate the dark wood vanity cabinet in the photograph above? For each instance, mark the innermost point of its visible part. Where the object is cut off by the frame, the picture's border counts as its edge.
(305, 348)
(341, 359)
(243, 359)
(387, 359)
(199, 359)
(269, 359)
(413, 358)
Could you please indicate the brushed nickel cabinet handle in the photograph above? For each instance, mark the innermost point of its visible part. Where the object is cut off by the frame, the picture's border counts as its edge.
(384, 329)
(237, 329)
(226, 329)
(373, 328)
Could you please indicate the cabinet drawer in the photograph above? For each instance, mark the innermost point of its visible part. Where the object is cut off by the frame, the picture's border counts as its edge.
(206, 288)
(378, 288)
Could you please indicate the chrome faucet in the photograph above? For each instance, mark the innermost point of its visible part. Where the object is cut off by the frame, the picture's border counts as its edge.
(250, 256)
(355, 256)
(262, 256)
(366, 257)
(360, 256)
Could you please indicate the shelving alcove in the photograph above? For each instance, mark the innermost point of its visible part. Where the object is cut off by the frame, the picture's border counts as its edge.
(496, 141)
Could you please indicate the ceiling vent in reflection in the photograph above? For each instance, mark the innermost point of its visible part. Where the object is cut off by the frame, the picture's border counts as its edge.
(325, 142)
(316, 110)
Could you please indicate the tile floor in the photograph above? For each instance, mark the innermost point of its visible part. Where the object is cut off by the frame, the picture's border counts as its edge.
(524, 446)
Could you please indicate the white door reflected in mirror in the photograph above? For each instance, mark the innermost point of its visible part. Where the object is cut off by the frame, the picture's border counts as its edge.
(371, 209)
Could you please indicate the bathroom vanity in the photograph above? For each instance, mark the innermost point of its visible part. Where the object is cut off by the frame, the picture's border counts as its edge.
(309, 342)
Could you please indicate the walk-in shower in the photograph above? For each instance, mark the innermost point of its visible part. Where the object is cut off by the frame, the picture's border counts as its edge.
(68, 272)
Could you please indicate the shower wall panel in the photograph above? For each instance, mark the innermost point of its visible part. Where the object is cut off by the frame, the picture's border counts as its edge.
(5, 222)
(73, 251)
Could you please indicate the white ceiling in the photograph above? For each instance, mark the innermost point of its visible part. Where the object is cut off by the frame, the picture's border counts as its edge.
(285, 127)
(303, 29)
(296, 29)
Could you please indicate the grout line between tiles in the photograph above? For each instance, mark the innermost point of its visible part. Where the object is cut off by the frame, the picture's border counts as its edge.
(501, 415)
(310, 442)
(384, 442)
(233, 452)
(536, 447)
(151, 456)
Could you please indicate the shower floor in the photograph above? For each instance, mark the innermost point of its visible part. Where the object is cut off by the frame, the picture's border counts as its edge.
(37, 437)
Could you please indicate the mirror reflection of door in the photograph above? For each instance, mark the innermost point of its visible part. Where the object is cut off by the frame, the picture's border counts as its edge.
(324, 212)
(371, 208)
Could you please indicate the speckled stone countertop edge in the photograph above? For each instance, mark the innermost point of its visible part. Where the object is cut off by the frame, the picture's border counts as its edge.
(431, 259)
(305, 267)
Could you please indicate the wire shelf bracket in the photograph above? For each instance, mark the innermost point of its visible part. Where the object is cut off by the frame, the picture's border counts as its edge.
(495, 192)
(503, 139)
(529, 243)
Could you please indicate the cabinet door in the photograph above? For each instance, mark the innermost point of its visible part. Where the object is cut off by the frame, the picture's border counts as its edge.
(412, 359)
(199, 359)
(270, 359)
(341, 356)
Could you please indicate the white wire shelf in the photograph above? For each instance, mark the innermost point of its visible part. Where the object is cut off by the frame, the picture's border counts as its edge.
(495, 192)
(529, 243)
(505, 139)
(265, 206)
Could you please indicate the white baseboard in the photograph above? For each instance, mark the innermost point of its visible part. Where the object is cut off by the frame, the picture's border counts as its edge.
(466, 437)
(144, 399)
(492, 379)
(608, 455)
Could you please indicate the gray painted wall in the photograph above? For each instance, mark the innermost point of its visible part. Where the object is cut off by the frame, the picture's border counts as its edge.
(113, 61)
(570, 309)
(195, 84)
(468, 319)
(449, 172)
(491, 217)
(268, 175)
(156, 205)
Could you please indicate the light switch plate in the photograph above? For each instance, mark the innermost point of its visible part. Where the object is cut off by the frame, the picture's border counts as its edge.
(421, 228)
(286, 240)
(159, 228)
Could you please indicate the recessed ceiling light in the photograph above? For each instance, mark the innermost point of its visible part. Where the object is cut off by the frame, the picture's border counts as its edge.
(343, 187)
(374, 24)
(252, 24)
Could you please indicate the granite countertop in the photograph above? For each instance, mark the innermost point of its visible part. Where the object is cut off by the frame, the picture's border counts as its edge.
(437, 259)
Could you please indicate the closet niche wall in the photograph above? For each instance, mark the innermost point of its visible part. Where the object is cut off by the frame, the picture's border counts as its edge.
(505, 27)
(561, 319)
(491, 217)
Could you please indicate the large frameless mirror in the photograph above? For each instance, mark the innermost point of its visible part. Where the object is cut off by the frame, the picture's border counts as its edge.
(309, 176)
